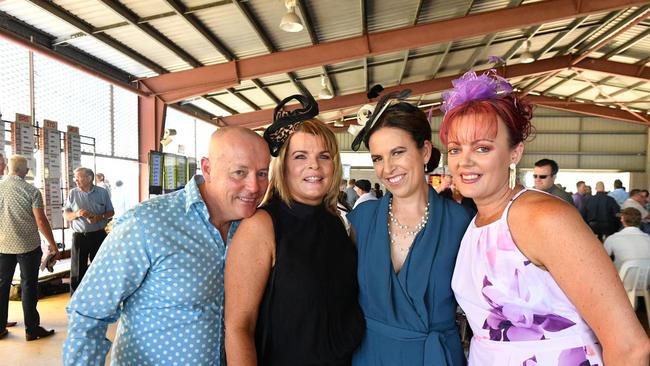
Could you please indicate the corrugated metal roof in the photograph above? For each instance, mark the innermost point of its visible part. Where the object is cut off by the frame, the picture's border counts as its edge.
(438, 10)
(233, 30)
(385, 15)
(269, 14)
(147, 46)
(185, 36)
(334, 20)
(146, 8)
(37, 17)
(343, 20)
(93, 12)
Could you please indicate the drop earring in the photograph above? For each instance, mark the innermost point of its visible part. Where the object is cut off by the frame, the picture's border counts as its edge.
(513, 176)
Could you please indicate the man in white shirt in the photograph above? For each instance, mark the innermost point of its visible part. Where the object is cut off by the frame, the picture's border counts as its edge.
(362, 187)
(630, 242)
(637, 200)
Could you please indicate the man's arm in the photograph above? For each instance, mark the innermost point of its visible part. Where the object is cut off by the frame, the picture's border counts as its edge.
(117, 272)
(45, 229)
(109, 211)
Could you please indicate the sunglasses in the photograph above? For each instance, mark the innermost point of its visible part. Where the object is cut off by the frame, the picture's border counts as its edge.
(540, 176)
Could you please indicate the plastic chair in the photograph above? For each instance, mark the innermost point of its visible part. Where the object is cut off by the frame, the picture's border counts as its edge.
(635, 275)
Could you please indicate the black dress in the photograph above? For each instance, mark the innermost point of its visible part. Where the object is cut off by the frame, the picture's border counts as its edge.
(310, 314)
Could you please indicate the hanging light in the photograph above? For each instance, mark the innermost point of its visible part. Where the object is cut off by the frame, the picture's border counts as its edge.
(325, 92)
(526, 57)
(291, 22)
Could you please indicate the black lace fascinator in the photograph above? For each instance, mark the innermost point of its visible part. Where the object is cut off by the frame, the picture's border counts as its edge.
(383, 104)
(285, 122)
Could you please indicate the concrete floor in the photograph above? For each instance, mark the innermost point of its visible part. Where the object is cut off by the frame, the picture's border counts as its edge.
(15, 351)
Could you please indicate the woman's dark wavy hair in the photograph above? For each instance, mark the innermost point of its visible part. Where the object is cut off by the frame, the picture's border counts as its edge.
(412, 120)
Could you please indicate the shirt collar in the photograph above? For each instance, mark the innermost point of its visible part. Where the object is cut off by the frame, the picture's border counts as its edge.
(631, 228)
(192, 193)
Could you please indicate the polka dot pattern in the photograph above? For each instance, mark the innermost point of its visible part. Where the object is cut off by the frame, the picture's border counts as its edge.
(160, 273)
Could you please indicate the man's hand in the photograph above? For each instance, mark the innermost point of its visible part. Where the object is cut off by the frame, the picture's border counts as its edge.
(54, 250)
(84, 213)
(95, 219)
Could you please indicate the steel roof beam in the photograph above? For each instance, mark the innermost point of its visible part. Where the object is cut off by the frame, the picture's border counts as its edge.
(364, 17)
(634, 71)
(546, 66)
(638, 38)
(559, 37)
(418, 10)
(586, 108)
(38, 41)
(604, 39)
(629, 22)
(247, 101)
(587, 88)
(220, 105)
(132, 18)
(313, 37)
(478, 51)
(261, 34)
(259, 118)
(257, 27)
(178, 85)
(448, 46)
(530, 33)
(488, 39)
(195, 112)
(610, 100)
(584, 36)
(307, 21)
(72, 58)
(88, 29)
(258, 84)
(181, 10)
(189, 10)
(627, 88)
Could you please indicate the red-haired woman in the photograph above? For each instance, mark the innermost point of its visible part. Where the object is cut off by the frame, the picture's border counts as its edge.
(535, 283)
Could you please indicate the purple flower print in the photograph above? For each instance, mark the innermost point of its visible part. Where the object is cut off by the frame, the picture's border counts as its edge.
(574, 357)
(512, 320)
(530, 362)
(568, 357)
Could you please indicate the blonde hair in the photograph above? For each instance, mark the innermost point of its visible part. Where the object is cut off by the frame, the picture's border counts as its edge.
(18, 164)
(278, 184)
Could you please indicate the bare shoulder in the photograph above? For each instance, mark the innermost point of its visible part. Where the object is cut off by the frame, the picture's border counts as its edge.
(542, 224)
(260, 220)
(255, 231)
(536, 210)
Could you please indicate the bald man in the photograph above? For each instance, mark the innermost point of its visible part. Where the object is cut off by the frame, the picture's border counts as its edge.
(600, 213)
(160, 271)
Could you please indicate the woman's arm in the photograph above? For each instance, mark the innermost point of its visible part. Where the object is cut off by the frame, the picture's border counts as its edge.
(249, 260)
(568, 249)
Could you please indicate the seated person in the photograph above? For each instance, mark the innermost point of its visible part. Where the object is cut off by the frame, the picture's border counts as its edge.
(630, 242)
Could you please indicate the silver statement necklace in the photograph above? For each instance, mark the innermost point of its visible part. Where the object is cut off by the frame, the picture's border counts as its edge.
(406, 231)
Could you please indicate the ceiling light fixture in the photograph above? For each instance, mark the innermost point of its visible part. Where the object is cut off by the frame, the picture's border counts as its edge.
(527, 57)
(325, 92)
(291, 22)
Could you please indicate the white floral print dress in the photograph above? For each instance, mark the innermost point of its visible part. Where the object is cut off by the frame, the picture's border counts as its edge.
(518, 313)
